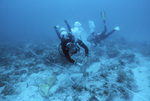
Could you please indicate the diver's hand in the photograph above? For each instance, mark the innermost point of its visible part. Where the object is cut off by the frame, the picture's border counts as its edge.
(66, 21)
(56, 27)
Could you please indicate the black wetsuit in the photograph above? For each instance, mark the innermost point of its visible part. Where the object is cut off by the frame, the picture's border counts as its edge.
(98, 38)
(70, 39)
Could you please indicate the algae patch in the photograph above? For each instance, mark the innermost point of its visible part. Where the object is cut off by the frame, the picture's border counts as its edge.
(44, 88)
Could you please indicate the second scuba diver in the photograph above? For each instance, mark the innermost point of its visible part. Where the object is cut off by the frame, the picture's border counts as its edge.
(97, 38)
(68, 44)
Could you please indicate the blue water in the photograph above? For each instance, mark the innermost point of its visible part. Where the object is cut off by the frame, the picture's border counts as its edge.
(27, 19)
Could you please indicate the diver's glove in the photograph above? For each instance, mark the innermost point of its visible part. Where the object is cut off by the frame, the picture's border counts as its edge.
(117, 28)
(56, 27)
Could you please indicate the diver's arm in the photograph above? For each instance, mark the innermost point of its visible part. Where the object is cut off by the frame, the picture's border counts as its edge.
(84, 46)
(68, 56)
(58, 34)
(68, 26)
(70, 59)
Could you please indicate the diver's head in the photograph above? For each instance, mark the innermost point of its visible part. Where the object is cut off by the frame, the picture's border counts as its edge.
(63, 33)
(77, 24)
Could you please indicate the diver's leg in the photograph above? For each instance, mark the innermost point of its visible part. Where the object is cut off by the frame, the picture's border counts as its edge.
(105, 36)
(67, 55)
(83, 46)
(105, 29)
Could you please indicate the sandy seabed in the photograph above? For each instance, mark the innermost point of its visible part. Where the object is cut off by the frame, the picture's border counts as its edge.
(115, 71)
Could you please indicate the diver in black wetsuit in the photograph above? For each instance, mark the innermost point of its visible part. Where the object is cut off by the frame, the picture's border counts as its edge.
(95, 38)
(68, 44)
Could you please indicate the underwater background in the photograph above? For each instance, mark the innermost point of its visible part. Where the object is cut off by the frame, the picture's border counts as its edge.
(31, 68)
(35, 19)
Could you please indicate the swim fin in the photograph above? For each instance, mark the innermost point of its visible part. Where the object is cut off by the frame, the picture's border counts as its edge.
(117, 28)
(103, 15)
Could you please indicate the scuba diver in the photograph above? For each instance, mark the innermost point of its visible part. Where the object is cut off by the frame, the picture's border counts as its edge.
(68, 44)
(96, 37)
